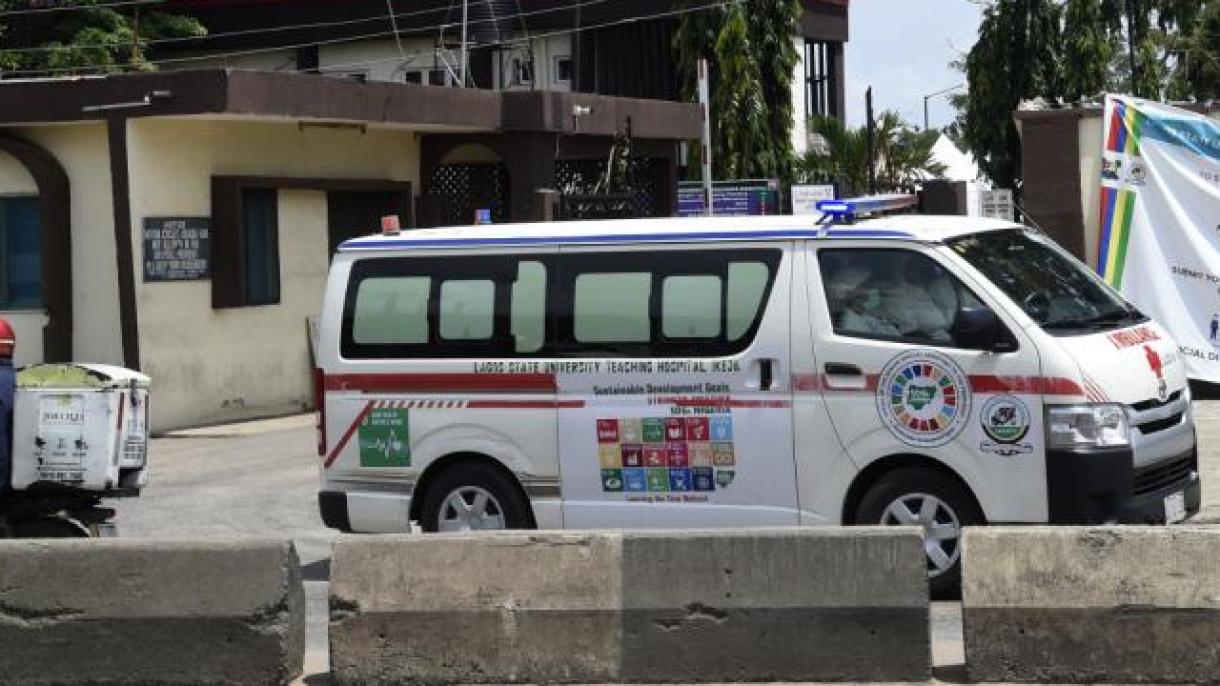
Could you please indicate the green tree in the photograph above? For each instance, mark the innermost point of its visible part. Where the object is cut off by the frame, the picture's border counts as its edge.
(903, 156)
(740, 145)
(772, 27)
(1087, 50)
(94, 39)
(1075, 50)
(1015, 58)
(751, 57)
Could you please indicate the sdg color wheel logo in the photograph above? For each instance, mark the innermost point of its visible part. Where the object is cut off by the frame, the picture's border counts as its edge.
(924, 398)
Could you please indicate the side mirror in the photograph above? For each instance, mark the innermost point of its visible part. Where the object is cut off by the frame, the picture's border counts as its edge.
(980, 329)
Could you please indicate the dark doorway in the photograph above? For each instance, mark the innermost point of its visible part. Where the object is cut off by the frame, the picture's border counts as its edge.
(351, 214)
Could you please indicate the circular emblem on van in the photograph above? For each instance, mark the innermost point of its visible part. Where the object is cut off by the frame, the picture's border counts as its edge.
(924, 398)
(1005, 419)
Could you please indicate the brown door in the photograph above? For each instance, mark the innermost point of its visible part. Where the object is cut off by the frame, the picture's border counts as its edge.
(351, 214)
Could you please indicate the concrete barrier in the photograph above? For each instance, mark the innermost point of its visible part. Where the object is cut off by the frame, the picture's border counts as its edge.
(759, 605)
(139, 612)
(1072, 605)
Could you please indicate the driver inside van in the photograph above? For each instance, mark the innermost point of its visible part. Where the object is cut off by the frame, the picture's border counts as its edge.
(911, 298)
(924, 301)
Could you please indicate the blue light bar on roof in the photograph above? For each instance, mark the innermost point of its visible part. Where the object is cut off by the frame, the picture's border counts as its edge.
(849, 208)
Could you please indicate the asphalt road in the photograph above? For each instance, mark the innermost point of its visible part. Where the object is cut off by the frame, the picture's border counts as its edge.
(259, 479)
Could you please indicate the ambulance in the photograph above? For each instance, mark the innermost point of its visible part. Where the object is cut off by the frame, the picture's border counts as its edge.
(742, 372)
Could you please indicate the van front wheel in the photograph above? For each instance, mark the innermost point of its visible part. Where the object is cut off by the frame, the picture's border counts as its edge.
(935, 503)
(471, 497)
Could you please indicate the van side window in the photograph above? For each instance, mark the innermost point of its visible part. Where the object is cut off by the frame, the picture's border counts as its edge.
(392, 310)
(476, 306)
(690, 306)
(892, 295)
(748, 282)
(662, 303)
(611, 308)
(467, 309)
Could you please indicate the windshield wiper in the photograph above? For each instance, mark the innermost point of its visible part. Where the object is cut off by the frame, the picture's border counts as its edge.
(1097, 321)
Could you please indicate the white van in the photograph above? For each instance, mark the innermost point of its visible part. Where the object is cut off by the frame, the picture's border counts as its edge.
(939, 371)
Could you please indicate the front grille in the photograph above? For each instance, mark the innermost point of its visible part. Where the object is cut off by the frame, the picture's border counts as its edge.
(1161, 424)
(1154, 403)
(1155, 477)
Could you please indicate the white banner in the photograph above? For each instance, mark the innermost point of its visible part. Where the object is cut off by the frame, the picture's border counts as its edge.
(1160, 222)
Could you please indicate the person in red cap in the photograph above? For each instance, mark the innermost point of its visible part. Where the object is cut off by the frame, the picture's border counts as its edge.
(8, 386)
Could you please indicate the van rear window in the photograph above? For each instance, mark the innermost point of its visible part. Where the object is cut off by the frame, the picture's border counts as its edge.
(664, 303)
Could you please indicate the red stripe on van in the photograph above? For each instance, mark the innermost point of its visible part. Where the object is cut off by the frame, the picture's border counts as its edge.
(442, 383)
(347, 435)
(979, 383)
(523, 404)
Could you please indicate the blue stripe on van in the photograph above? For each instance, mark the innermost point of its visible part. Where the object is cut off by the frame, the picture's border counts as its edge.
(378, 244)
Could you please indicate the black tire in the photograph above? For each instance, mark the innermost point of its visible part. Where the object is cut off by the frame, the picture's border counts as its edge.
(907, 484)
(49, 527)
(506, 497)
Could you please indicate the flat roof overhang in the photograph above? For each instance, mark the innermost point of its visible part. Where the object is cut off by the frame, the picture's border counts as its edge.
(312, 97)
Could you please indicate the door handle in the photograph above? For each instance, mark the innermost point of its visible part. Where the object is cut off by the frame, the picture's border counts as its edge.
(841, 369)
(766, 375)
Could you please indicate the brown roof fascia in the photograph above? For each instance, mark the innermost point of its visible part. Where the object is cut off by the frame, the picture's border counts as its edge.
(74, 99)
(314, 97)
(309, 96)
(553, 112)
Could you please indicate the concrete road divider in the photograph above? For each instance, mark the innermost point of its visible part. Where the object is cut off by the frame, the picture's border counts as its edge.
(1088, 605)
(140, 612)
(600, 607)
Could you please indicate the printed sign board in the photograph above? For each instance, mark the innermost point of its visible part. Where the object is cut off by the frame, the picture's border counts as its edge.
(177, 248)
(805, 199)
(1159, 242)
(730, 198)
(996, 204)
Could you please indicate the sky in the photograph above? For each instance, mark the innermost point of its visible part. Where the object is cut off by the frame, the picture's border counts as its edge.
(902, 48)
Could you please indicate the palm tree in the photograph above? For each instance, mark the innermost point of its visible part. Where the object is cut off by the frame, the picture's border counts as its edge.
(903, 156)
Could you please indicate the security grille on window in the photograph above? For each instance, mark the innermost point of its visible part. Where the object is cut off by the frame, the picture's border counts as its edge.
(820, 86)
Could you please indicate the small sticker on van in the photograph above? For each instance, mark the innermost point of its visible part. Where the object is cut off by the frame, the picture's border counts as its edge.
(674, 457)
(1006, 422)
(385, 438)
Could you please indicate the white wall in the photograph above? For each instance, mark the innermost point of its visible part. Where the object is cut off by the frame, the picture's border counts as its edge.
(1090, 142)
(800, 124)
(215, 365)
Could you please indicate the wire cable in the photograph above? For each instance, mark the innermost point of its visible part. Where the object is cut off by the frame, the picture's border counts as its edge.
(79, 6)
(124, 68)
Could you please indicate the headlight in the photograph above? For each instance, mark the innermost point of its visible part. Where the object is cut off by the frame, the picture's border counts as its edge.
(1087, 426)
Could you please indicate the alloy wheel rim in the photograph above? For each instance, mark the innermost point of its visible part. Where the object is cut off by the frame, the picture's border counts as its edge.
(470, 508)
(942, 530)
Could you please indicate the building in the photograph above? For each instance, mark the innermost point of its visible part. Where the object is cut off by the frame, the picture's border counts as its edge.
(181, 223)
(608, 47)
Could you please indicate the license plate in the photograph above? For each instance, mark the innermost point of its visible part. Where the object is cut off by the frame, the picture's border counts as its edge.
(1175, 508)
(105, 530)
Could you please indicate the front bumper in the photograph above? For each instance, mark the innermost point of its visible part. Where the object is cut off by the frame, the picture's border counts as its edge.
(1103, 486)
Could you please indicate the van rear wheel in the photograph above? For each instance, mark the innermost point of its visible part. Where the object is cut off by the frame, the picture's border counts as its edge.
(473, 497)
(935, 503)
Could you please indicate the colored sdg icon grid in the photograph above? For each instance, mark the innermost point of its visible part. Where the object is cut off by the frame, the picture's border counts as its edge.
(664, 454)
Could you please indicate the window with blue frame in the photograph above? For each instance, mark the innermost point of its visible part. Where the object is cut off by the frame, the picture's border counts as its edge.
(21, 254)
(261, 219)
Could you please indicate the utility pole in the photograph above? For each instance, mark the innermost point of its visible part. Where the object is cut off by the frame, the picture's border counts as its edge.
(465, 10)
(705, 109)
(869, 133)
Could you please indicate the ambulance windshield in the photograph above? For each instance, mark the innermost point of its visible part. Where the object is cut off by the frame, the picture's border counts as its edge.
(1057, 292)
